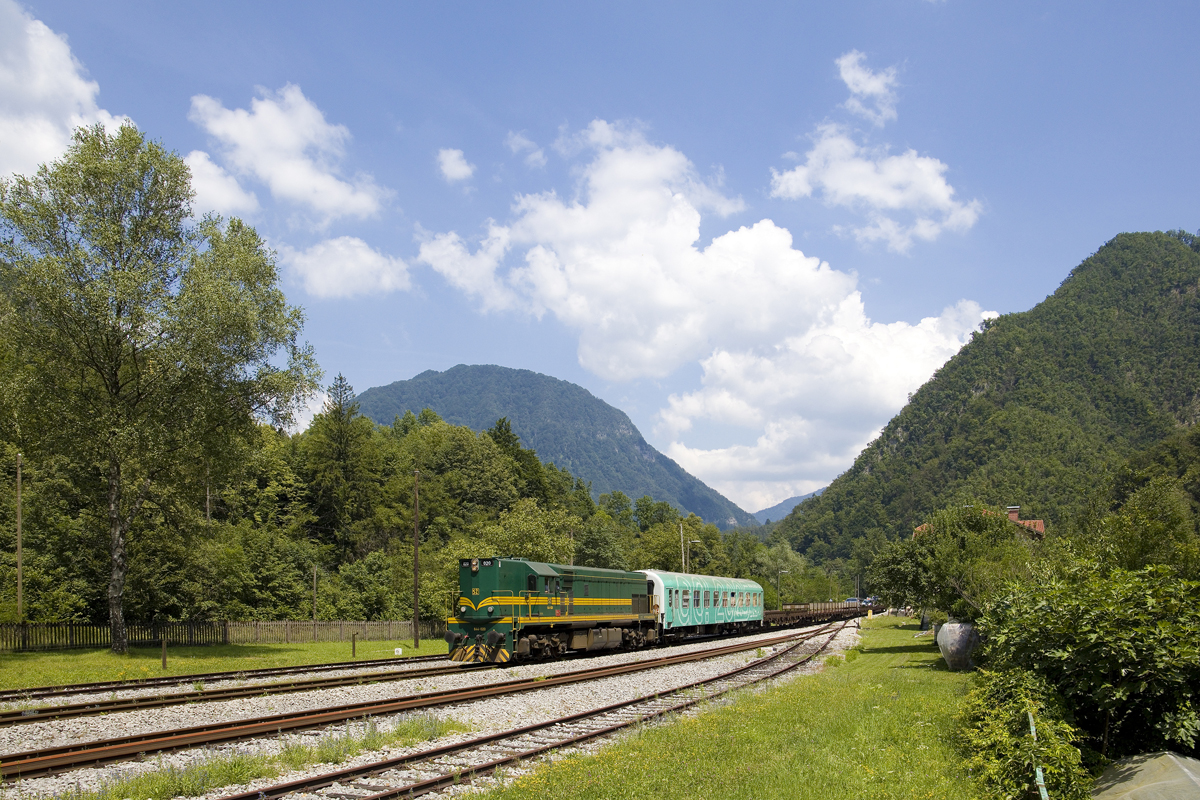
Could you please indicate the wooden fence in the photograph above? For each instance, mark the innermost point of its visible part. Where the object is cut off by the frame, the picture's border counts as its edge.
(16, 636)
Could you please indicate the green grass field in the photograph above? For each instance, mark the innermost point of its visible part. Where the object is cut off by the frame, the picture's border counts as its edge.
(25, 670)
(876, 725)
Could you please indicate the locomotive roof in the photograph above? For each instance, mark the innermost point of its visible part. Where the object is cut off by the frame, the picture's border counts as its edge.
(556, 570)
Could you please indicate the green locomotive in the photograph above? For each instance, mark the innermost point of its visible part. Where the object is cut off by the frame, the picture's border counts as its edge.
(514, 609)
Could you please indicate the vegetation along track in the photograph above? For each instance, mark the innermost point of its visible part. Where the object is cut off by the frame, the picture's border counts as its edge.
(44, 714)
(416, 774)
(41, 692)
(50, 761)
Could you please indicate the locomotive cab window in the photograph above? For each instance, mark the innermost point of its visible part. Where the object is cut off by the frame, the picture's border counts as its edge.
(532, 583)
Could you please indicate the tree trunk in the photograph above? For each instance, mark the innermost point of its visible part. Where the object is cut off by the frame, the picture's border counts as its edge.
(118, 527)
(116, 546)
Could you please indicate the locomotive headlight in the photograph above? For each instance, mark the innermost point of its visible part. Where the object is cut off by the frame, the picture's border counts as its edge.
(491, 609)
(462, 609)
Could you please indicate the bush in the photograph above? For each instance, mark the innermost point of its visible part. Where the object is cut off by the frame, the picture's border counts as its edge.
(1122, 649)
(1000, 751)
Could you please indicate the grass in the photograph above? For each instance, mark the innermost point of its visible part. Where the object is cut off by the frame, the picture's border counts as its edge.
(26, 670)
(876, 724)
(218, 771)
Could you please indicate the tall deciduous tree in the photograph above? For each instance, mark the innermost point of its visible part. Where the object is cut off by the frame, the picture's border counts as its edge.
(144, 343)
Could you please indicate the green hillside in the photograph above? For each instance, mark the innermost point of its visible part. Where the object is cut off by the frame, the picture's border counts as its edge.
(1037, 407)
(564, 423)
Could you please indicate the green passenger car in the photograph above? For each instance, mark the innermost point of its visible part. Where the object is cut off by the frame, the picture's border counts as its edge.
(704, 604)
(511, 608)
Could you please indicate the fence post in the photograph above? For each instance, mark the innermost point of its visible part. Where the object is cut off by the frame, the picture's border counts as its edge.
(287, 631)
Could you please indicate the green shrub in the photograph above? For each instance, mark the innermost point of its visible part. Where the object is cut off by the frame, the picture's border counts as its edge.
(1121, 648)
(1000, 751)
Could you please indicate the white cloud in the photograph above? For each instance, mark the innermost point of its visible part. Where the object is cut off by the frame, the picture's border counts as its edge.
(818, 396)
(847, 174)
(876, 88)
(217, 190)
(783, 340)
(518, 143)
(346, 267)
(285, 142)
(453, 165)
(44, 94)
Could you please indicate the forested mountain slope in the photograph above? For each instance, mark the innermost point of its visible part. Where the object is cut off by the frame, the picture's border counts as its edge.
(564, 423)
(1038, 405)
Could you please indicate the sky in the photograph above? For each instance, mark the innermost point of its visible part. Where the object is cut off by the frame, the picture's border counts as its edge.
(755, 228)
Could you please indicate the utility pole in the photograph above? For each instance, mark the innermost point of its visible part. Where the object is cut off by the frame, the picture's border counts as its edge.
(778, 584)
(416, 558)
(682, 552)
(20, 567)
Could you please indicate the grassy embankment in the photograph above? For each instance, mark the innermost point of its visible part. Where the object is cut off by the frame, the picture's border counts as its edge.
(876, 725)
(25, 670)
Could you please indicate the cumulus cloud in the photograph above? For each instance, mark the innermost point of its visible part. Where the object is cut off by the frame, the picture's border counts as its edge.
(817, 396)
(518, 143)
(284, 141)
(847, 174)
(44, 93)
(783, 340)
(345, 267)
(454, 166)
(217, 190)
(872, 94)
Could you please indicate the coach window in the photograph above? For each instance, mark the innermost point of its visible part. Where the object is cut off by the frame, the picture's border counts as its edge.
(696, 598)
(706, 599)
(677, 598)
(724, 599)
(686, 596)
(669, 598)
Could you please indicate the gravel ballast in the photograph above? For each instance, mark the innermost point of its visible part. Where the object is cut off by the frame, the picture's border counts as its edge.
(484, 716)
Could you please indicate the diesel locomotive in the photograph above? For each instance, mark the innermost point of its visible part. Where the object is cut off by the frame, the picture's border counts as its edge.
(511, 609)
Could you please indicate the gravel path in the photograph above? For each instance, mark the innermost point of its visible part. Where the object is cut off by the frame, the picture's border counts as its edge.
(483, 716)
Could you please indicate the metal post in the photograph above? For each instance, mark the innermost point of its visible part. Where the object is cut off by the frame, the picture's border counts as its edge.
(778, 585)
(416, 559)
(314, 602)
(354, 645)
(20, 566)
(682, 552)
(163, 638)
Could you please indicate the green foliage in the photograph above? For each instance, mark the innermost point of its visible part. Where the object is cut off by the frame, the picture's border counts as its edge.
(563, 423)
(1036, 405)
(147, 345)
(956, 562)
(1122, 648)
(1001, 751)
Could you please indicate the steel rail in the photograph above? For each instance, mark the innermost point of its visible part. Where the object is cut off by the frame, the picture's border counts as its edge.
(97, 707)
(50, 761)
(36, 692)
(373, 770)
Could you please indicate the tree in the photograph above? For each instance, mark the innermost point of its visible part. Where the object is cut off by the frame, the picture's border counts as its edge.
(144, 343)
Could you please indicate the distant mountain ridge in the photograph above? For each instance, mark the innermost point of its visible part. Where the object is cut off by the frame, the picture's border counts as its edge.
(782, 509)
(1037, 406)
(565, 423)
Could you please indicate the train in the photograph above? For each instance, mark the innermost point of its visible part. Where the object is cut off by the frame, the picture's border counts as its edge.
(513, 609)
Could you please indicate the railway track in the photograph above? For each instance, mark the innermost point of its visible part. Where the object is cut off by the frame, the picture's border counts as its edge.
(40, 692)
(93, 708)
(433, 770)
(49, 761)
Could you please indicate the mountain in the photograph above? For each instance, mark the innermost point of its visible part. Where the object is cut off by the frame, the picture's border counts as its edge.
(781, 510)
(1037, 406)
(565, 423)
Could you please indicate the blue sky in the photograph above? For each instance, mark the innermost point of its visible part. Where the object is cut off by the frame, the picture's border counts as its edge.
(754, 227)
